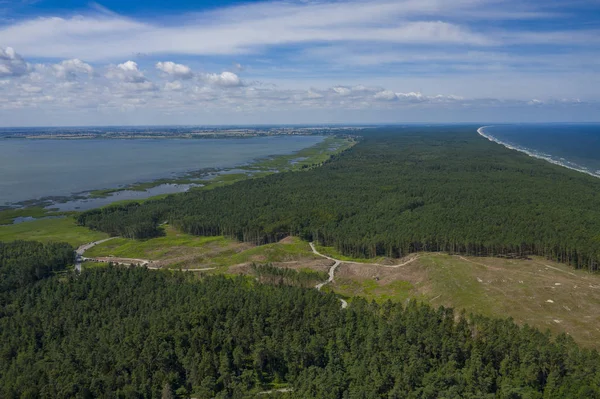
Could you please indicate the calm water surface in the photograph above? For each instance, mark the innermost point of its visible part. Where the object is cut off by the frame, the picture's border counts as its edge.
(574, 145)
(31, 169)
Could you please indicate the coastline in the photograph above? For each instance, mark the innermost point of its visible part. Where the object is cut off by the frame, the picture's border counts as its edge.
(203, 179)
(545, 157)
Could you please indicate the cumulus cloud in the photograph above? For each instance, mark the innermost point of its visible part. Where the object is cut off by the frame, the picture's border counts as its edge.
(415, 97)
(412, 96)
(69, 69)
(428, 46)
(11, 63)
(130, 77)
(126, 72)
(224, 79)
(178, 71)
(342, 91)
(125, 86)
(386, 95)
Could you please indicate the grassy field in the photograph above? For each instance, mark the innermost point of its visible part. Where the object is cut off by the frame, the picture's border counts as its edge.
(92, 265)
(370, 289)
(307, 157)
(537, 292)
(44, 230)
(8, 215)
(171, 245)
(289, 250)
(533, 291)
(177, 249)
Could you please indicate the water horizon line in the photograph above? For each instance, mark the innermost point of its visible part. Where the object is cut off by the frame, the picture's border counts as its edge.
(533, 154)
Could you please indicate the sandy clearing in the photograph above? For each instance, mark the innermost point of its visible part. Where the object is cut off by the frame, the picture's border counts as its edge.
(557, 269)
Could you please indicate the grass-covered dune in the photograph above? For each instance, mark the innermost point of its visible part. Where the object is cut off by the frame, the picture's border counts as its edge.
(50, 230)
(399, 190)
(533, 291)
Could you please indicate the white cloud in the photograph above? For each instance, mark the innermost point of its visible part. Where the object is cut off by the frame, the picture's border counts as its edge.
(255, 27)
(403, 51)
(11, 63)
(415, 97)
(138, 86)
(69, 69)
(313, 93)
(126, 72)
(177, 71)
(129, 66)
(342, 91)
(173, 86)
(129, 78)
(224, 79)
(412, 97)
(124, 87)
(386, 95)
(244, 29)
(28, 88)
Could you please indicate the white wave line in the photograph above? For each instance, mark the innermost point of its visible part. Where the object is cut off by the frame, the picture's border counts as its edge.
(545, 157)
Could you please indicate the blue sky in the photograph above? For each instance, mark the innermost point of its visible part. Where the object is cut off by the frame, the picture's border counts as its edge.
(74, 62)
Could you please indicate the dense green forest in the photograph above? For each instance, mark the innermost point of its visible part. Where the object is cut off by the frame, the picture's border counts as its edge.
(23, 262)
(135, 333)
(397, 191)
(280, 275)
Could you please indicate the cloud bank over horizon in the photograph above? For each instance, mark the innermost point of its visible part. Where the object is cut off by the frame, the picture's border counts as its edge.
(315, 62)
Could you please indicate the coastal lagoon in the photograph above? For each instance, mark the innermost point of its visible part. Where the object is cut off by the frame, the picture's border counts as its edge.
(32, 169)
(576, 146)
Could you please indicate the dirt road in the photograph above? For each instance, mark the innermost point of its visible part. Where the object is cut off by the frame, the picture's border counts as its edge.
(79, 259)
(331, 272)
(331, 269)
(81, 250)
(338, 262)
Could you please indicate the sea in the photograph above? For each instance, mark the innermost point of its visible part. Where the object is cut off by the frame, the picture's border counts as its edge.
(40, 168)
(575, 146)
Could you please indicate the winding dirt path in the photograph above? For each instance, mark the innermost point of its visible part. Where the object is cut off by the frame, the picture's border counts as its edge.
(331, 269)
(331, 272)
(122, 261)
(411, 259)
(79, 259)
(81, 250)
(338, 262)
(283, 390)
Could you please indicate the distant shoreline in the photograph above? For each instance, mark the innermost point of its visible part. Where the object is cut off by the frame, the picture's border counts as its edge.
(545, 157)
(161, 133)
(300, 159)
